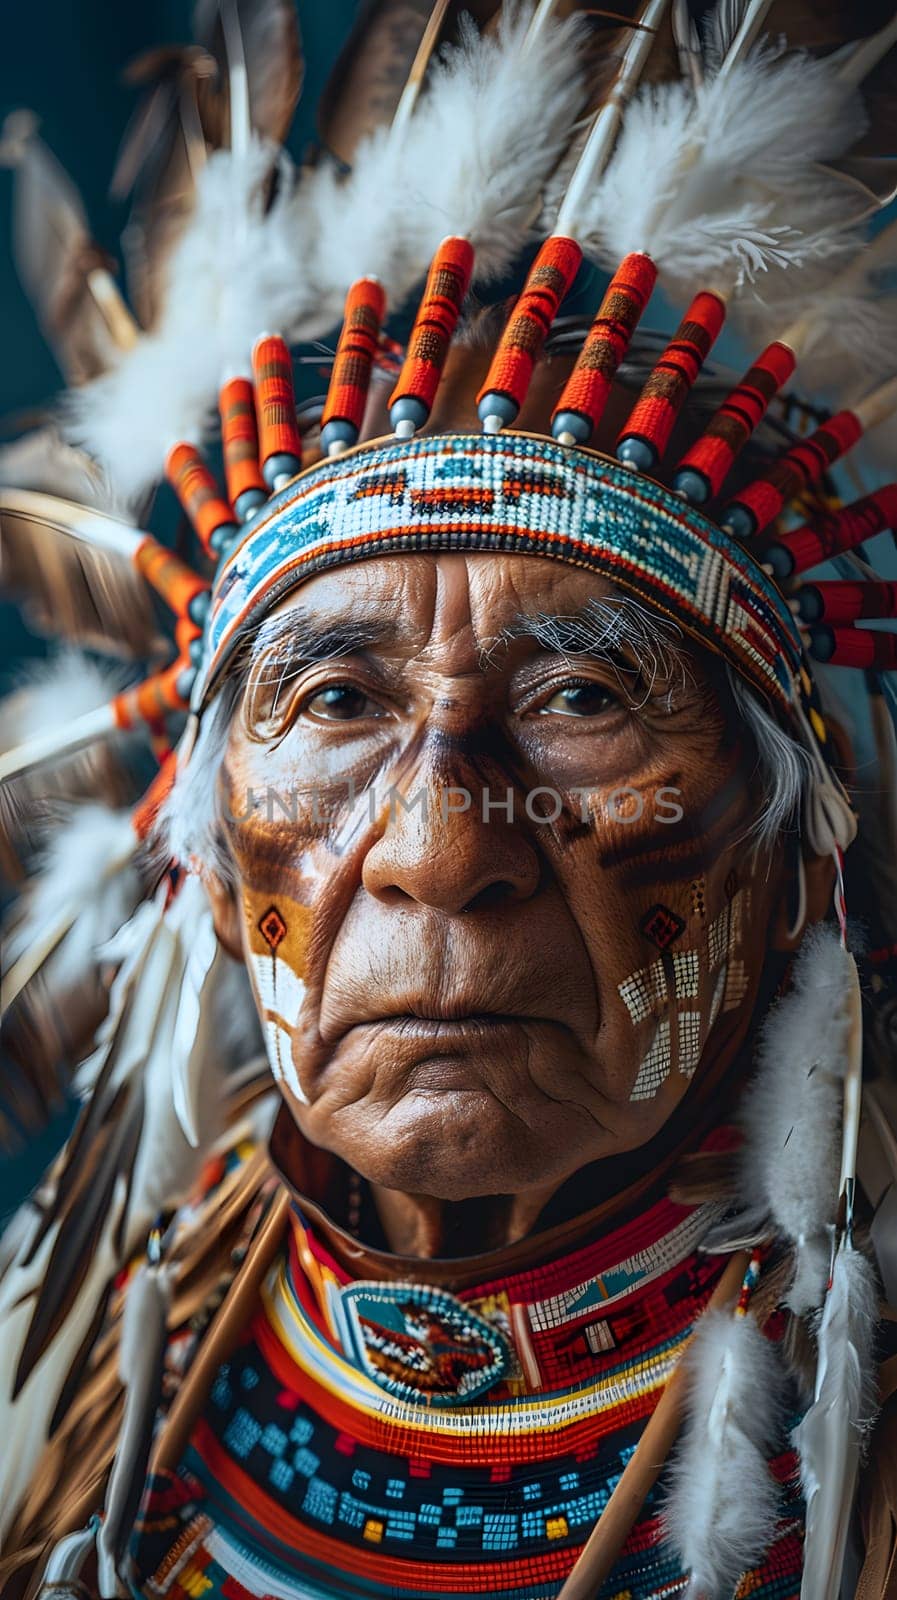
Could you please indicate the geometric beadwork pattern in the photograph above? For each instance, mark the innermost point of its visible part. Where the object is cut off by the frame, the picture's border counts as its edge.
(512, 493)
(282, 1492)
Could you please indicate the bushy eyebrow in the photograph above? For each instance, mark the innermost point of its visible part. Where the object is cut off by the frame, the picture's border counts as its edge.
(297, 638)
(613, 628)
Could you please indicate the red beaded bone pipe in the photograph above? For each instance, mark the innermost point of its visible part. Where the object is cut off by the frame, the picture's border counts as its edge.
(644, 438)
(350, 379)
(704, 467)
(246, 488)
(448, 280)
(280, 442)
(871, 649)
(760, 502)
(832, 533)
(211, 515)
(507, 381)
(845, 601)
(585, 394)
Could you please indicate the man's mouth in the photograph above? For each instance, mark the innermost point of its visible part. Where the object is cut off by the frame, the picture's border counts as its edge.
(475, 1024)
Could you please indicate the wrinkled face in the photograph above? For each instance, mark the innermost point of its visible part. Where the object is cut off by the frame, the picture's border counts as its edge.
(488, 825)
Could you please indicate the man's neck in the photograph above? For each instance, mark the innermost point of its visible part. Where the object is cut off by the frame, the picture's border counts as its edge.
(419, 1225)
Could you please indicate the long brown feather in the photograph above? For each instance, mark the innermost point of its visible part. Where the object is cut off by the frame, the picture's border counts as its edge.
(162, 153)
(64, 271)
(112, 1154)
(275, 67)
(72, 589)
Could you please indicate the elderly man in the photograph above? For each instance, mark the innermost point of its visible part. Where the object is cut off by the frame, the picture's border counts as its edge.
(506, 784)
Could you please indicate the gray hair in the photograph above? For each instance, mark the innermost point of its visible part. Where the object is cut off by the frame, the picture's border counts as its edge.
(190, 827)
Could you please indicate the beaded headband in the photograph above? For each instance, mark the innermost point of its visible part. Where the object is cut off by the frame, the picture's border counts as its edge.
(514, 493)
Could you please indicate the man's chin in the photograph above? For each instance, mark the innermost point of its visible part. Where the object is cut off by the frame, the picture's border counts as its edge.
(446, 1137)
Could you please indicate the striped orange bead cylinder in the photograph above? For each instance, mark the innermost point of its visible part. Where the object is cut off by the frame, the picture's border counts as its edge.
(847, 601)
(646, 435)
(180, 587)
(833, 534)
(704, 467)
(200, 496)
(761, 502)
(584, 395)
(151, 700)
(280, 442)
(871, 649)
(350, 379)
(448, 280)
(246, 489)
(508, 379)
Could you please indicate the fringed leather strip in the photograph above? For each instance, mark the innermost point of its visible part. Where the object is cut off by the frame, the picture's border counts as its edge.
(70, 1483)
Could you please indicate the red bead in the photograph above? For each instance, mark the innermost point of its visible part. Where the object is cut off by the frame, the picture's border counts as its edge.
(846, 601)
(350, 379)
(280, 441)
(838, 531)
(447, 284)
(762, 501)
(240, 440)
(870, 649)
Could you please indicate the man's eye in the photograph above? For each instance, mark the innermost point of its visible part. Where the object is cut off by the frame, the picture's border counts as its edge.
(583, 699)
(340, 702)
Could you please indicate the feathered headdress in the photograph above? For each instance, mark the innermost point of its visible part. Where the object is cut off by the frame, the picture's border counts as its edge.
(740, 168)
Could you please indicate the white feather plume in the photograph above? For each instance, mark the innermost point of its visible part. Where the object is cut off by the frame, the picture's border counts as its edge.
(159, 1018)
(792, 1111)
(830, 1437)
(720, 182)
(86, 885)
(164, 389)
(844, 321)
(721, 1511)
(464, 162)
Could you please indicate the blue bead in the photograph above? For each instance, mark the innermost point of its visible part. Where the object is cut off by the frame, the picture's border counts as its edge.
(693, 485)
(572, 422)
(637, 452)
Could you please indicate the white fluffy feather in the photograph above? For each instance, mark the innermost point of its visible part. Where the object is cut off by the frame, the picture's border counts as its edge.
(87, 884)
(54, 693)
(465, 162)
(721, 1511)
(164, 389)
(842, 311)
(830, 1438)
(708, 181)
(792, 1111)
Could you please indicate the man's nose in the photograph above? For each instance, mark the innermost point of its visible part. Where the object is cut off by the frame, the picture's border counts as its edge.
(454, 842)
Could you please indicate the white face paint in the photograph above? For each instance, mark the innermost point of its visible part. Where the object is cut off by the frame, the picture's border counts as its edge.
(279, 994)
(658, 989)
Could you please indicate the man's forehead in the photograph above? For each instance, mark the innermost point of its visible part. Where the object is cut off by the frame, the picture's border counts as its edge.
(424, 600)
